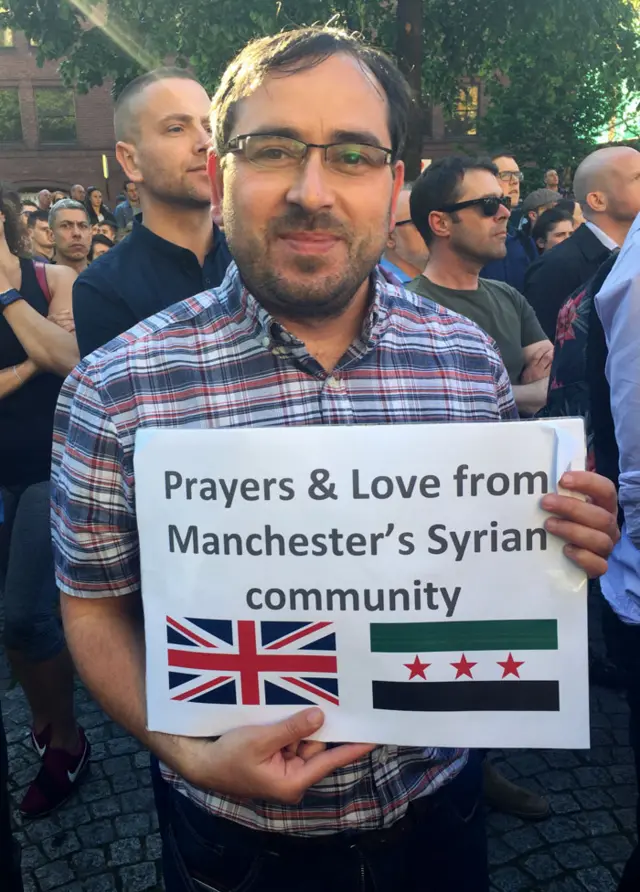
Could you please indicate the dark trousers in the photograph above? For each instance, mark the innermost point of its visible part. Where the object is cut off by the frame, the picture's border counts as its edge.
(440, 846)
(9, 850)
(623, 645)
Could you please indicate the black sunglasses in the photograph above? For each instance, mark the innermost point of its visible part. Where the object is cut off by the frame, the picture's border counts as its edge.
(403, 223)
(489, 206)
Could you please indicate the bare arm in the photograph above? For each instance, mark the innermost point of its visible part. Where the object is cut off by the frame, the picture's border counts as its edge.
(50, 347)
(262, 762)
(530, 398)
(537, 361)
(11, 380)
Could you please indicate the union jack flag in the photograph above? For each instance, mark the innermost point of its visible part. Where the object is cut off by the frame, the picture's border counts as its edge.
(252, 662)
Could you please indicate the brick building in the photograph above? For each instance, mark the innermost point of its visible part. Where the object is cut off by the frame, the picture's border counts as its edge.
(51, 136)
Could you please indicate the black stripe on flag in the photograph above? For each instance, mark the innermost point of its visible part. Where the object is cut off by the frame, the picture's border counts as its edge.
(467, 696)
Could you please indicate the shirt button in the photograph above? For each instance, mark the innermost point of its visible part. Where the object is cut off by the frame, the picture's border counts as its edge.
(332, 382)
(266, 342)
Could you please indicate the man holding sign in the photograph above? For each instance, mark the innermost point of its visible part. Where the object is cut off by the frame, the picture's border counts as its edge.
(309, 127)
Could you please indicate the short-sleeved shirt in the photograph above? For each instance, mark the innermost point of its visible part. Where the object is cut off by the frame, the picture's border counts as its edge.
(498, 309)
(142, 275)
(220, 360)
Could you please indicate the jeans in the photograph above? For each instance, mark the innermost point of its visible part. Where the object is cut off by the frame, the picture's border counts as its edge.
(623, 645)
(440, 846)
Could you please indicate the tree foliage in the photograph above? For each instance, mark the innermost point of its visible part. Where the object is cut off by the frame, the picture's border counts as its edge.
(565, 60)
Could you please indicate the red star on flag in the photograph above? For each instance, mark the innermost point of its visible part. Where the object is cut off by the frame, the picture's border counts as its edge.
(417, 668)
(510, 666)
(463, 667)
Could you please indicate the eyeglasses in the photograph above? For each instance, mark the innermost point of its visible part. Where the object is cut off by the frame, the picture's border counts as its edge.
(404, 223)
(508, 175)
(489, 206)
(270, 152)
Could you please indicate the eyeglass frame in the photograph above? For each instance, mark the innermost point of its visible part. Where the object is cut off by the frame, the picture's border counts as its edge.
(236, 150)
(503, 200)
(404, 223)
(507, 175)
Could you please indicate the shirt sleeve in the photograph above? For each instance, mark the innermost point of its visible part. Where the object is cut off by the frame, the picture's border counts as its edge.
(531, 332)
(94, 534)
(618, 305)
(99, 315)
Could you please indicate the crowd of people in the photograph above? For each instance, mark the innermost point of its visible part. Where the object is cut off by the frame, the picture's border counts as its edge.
(265, 248)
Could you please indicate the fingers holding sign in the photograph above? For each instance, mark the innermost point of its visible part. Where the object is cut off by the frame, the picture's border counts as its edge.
(589, 527)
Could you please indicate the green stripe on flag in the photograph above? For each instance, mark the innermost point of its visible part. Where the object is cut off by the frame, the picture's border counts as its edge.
(497, 634)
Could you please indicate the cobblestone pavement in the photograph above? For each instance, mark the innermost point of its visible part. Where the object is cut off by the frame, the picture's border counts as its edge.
(106, 839)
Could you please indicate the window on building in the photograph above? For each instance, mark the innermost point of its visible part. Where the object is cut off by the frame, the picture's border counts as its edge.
(464, 117)
(10, 121)
(56, 111)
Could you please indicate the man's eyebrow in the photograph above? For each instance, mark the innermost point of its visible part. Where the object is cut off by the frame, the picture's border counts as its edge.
(337, 136)
(360, 136)
(177, 116)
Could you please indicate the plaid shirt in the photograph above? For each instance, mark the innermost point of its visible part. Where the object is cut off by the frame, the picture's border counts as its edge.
(220, 360)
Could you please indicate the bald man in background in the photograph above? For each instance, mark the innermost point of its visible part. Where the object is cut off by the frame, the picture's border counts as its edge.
(406, 254)
(607, 186)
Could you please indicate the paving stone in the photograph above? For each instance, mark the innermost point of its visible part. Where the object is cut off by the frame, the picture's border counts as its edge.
(29, 883)
(562, 803)
(32, 857)
(95, 790)
(127, 780)
(142, 759)
(88, 861)
(524, 840)
(542, 867)
(501, 823)
(132, 825)
(574, 854)
(125, 851)
(105, 808)
(593, 798)
(53, 874)
(567, 884)
(600, 737)
(592, 777)
(121, 746)
(98, 833)
(612, 848)
(98, 734)
(510, 879)
(596, 823)
(41, 829)
(623, 774)
(117, 764)
(153, 847)
(527, 764)
(60, 845)
(561, 758)
(69, 818)
(626, 817)
(558, 829)
(625, 797)
(557, 781)
(139, 877)
(597, 879)
(106, 882)
(137, 800)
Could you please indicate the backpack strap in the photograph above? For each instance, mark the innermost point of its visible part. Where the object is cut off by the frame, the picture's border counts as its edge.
(41, 275)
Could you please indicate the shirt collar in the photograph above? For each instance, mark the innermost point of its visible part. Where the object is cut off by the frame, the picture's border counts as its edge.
(602, 237)
(153, 242)
(273, 336)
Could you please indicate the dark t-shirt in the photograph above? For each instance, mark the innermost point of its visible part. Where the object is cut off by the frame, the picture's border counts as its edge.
(142, 275)
(498, 309)
(26, 415)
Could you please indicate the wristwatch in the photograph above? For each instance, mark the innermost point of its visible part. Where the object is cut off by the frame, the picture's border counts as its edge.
(9, 297)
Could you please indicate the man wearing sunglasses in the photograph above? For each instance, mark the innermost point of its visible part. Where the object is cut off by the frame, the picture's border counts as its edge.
(406, 254)
(460, 211)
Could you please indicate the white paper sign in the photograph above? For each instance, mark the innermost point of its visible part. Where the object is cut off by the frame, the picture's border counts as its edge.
(398, 576)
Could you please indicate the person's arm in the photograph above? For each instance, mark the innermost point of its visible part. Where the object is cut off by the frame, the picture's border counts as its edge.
(537, 360)
(618, 305)
(50, 347)
(95, 545)
(530, 398)
(16, 376)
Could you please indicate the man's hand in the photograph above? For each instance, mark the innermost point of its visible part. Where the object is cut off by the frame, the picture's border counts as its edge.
(271, 762)
(538, 363)
(63, 319)
(589, 527)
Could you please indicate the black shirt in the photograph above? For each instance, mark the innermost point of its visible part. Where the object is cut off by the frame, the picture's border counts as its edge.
(26, 415)
(142, 275)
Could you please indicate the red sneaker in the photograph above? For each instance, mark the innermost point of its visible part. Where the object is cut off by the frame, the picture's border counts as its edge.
(57, 779)
(42, 740)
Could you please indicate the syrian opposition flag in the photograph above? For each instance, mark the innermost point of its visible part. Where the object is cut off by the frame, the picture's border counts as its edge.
(483, 666)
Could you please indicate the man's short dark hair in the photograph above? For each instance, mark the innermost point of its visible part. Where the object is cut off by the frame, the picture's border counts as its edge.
(37, 216)
(440, 185)
(123, 119)
(28, 203)
(99, 239)
(294, 51)
(566, 204)
(503, 153)
(547, 220)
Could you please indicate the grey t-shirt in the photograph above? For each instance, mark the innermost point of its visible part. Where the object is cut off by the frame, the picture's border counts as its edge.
(498, 309)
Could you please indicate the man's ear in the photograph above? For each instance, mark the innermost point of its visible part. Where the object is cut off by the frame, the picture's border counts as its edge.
(214, 170)
(597, 201)
(540, 243)
(127, 159)
(440, 224)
